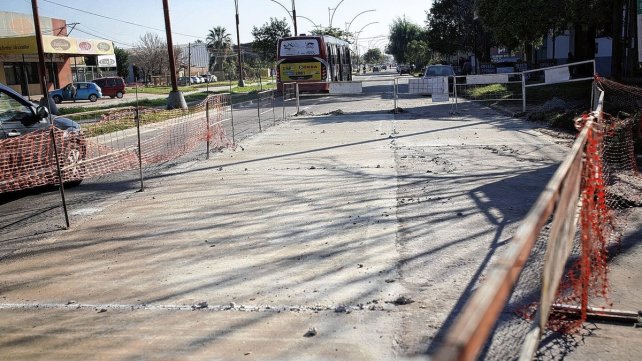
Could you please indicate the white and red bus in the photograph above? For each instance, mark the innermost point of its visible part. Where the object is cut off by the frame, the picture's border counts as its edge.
(313, 62)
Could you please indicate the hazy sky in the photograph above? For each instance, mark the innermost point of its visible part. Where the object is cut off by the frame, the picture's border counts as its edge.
(191, 19)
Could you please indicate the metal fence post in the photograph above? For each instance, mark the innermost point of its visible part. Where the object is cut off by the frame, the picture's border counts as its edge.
(523, 93)
(455, 93)
(207, 128)
(140, 150)
(258, 109)
(394, 95)
(273, 111)
(232, 119)
(283, 104)
(57, 159)
(298, 105)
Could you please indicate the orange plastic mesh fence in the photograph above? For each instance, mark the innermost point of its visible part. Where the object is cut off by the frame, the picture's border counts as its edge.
(108, 143)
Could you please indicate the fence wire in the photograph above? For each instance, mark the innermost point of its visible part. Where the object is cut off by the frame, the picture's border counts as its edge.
(108, 140)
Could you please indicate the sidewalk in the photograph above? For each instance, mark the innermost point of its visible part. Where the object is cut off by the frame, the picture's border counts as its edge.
(334, 237)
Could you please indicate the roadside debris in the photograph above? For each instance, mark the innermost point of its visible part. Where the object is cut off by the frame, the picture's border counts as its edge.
(311, 332)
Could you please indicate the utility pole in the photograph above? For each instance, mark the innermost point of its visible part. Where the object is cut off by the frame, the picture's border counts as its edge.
(238, 41)
(189, 63)
(175, 99)
(42, 66)
(296, 32)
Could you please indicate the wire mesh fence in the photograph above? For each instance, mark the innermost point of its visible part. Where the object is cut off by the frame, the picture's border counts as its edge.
(557, 266)
(133, 138)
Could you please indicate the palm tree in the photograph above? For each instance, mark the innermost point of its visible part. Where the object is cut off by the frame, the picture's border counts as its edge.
(219, 43)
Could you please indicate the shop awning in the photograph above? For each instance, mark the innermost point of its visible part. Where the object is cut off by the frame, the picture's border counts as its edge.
(55, 45)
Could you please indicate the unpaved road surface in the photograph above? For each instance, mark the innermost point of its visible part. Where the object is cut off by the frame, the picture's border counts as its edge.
(331, 237)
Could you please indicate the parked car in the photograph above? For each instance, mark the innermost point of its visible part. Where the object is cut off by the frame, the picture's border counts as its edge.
(29, 163)
(84, 91)
(375, 69)
(113, 87)
(184, 81)
(194, 80)
(439, 70)
(403, 69)
(506, 64)
(210, 78)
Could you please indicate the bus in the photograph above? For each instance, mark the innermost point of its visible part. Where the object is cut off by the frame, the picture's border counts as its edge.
(313, 62)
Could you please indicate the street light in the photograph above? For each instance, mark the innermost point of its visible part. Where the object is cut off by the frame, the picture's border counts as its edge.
(363, 12)
(292, 16)
(334, 11)
(310, 20)
(357, 40)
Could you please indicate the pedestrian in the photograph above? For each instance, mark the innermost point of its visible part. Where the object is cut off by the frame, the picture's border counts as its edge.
(467, 68)
(73, 92)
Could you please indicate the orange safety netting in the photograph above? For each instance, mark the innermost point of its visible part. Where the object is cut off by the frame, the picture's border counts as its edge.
(108, 143)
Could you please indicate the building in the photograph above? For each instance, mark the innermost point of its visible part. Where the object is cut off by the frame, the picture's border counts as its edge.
(19, 52)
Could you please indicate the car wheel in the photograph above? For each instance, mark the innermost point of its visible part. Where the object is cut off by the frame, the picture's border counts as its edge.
(119, 95)
(57, 99)
(93, 98)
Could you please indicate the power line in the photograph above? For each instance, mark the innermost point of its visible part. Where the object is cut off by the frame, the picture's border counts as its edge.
(120, 20)
(112, 40)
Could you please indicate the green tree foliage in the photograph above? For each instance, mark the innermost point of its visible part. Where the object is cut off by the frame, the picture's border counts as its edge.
(451, 26)
(418, 53)
(336, 32)
(524, 23)
(402, 32)
(517, 23)
(219, 44)
(122, 62)
(266, 37)
(373, 56)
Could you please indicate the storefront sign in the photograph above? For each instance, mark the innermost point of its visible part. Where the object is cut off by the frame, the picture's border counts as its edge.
(55, 45)
(106, 61)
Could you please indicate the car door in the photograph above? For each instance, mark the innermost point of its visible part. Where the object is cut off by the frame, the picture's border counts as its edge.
(82, 91)
(66, 92)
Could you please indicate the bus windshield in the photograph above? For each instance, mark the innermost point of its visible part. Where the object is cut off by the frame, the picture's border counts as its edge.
(299, 47)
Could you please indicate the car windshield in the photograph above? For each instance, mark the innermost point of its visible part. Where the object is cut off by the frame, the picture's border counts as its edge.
(438, 71)
(13, 110)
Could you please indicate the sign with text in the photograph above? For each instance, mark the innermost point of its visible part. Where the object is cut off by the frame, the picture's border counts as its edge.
(300, 71)
(299, 47)
(55, 45)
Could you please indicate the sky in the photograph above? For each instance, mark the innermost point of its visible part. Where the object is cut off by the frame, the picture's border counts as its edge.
(191, 19)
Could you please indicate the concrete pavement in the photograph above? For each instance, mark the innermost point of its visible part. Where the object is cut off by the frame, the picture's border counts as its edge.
(351, 237)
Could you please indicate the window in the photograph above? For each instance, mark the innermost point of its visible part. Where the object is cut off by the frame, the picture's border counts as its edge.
(12, 110)
(111, 82)
(15, 73)
(82, 86)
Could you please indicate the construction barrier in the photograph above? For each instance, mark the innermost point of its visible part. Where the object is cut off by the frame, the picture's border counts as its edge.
(555, 270)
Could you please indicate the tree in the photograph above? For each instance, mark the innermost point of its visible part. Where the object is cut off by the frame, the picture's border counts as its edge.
(219, 44)
(451, 26)
(148, 54)
(122, 62)
(267, 36)
(402, 32)
(373, 56)
(332, 31)
(517, 23)
(418, 53)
